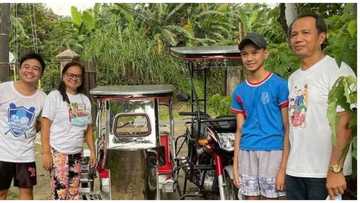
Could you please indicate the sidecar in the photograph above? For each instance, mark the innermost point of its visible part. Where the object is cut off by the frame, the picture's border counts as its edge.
(134, 148)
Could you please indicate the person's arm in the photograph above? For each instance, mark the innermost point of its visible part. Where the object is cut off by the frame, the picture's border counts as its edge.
(335, 182)
(280, 178)
(38, 124)
(238, 133)
(89, 138)
(45, 144)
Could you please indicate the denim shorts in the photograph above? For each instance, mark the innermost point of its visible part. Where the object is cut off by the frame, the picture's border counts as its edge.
(299, 188)
(258, 171)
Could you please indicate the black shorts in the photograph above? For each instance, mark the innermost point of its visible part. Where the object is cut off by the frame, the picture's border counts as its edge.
(24, 174)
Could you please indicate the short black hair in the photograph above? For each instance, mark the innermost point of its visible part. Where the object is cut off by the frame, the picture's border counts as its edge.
(319, 23)
(36, 56)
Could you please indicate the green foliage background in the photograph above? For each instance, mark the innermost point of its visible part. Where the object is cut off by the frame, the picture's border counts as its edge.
(344, 94)
(130, 43)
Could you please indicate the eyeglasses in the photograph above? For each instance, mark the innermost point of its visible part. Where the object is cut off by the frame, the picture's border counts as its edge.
(73, 76)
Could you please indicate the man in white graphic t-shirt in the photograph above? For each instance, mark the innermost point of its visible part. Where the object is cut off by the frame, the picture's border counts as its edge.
(20, 106)
(315, 166)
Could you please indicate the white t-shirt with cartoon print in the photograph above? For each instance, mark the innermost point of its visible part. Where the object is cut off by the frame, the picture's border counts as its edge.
(310, 133)
(69, 121)
(18, 115)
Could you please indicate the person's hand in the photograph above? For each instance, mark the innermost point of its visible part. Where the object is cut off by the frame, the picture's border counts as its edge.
(236, 177)
(280, 180)
(92, 160)
(335, 184)
(47, 160)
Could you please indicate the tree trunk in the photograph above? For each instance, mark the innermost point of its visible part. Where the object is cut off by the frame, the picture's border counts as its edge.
(288, 13)
(282, 18)
(234, 75)
(355, 9)
(4, 41)
(127, 171)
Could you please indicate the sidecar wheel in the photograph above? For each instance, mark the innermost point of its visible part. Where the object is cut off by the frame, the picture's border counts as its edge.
(150, 178)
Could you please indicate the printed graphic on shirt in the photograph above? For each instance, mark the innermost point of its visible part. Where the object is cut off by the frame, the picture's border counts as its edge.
(265, 97)
(298, 106)
(20, 120)
(78, 114)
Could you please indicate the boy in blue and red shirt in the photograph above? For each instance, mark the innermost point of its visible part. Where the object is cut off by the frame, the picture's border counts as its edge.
(260, 103)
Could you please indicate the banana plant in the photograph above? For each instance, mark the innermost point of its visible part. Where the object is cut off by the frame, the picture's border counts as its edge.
(343, 94)
(85, 24)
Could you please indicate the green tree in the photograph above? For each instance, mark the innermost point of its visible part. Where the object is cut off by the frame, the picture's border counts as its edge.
(342, 36)
(36, 28)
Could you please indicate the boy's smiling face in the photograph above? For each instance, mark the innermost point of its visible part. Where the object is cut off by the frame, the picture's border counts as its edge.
(30, 71)
(252, 57)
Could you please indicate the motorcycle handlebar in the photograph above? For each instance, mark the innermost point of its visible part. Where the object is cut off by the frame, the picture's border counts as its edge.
(212, 120)
(191, 113)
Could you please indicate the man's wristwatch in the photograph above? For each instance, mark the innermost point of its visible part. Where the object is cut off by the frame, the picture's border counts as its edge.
(335, 168)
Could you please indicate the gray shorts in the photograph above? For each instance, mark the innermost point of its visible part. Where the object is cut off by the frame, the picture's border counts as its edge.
(257, 171)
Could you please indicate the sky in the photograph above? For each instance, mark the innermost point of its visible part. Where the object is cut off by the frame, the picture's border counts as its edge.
(63, 7)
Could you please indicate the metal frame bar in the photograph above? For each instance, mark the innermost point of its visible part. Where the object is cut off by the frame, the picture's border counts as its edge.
(205, 72)
(157, 134)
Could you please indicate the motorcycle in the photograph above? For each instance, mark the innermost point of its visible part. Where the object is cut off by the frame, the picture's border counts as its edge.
(208, 141)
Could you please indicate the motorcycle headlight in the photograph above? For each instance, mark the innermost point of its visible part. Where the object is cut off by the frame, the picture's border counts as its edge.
(226, 141)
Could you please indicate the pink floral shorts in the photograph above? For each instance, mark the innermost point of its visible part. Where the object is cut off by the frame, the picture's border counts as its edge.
(65, 176)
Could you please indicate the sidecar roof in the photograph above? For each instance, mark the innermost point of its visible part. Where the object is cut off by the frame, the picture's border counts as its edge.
(133, 90)
(207, 53)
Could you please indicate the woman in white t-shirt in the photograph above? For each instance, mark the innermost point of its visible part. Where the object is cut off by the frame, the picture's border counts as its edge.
(66, 125)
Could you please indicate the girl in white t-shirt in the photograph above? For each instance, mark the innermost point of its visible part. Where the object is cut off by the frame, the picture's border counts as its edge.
(66, 125)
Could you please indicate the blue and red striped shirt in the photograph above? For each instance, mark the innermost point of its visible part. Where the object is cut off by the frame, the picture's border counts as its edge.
(261, 105)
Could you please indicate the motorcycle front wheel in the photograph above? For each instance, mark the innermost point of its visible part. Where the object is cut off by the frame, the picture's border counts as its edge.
(230, 191)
